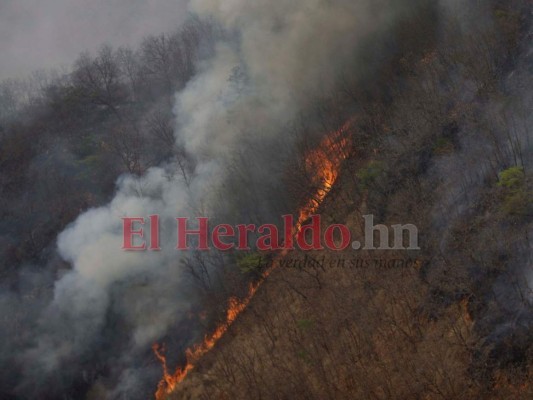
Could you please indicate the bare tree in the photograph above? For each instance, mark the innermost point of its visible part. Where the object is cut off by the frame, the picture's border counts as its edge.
(131, 69)
(127, 142)
(160, 126)
(99, 78)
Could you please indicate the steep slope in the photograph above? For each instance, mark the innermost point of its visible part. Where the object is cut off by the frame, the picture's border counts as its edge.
(448, 149)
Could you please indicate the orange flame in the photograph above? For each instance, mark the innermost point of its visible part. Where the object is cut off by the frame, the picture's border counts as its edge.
(324, 162)
(171, 380)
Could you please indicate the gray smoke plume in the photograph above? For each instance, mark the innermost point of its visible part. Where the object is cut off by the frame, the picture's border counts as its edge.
(280, 59)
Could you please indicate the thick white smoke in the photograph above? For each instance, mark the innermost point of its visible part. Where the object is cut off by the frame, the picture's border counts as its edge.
(145, 289)
(282, 57)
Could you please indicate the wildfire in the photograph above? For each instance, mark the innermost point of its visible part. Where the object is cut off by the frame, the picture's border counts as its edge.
(170, 380)
(324, 162)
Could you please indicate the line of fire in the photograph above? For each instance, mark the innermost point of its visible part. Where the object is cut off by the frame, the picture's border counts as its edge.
(327, 161)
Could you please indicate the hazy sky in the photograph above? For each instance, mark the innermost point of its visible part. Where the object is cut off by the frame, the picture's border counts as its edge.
(37, 34)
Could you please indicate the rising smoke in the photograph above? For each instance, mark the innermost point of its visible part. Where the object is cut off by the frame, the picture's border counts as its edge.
(280, 59)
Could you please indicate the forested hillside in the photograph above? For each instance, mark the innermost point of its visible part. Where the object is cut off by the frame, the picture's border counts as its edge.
(70, 135)
(443, 140)
(413, 112)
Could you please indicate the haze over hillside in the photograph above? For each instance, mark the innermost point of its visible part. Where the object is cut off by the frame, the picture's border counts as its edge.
(412, 113)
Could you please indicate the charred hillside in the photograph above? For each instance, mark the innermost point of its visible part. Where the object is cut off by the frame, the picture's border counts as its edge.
(436, 143)
(408, 112)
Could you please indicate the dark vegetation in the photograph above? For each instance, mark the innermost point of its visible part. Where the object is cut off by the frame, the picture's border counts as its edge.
(71, 135)
(441, 139)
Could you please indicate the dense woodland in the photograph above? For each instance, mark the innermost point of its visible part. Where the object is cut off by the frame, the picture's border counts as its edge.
(439, 136)
(442, 140)
(71, 135)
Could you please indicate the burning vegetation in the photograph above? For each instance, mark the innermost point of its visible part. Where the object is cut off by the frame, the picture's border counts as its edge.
(324, 163)
(411, 111)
